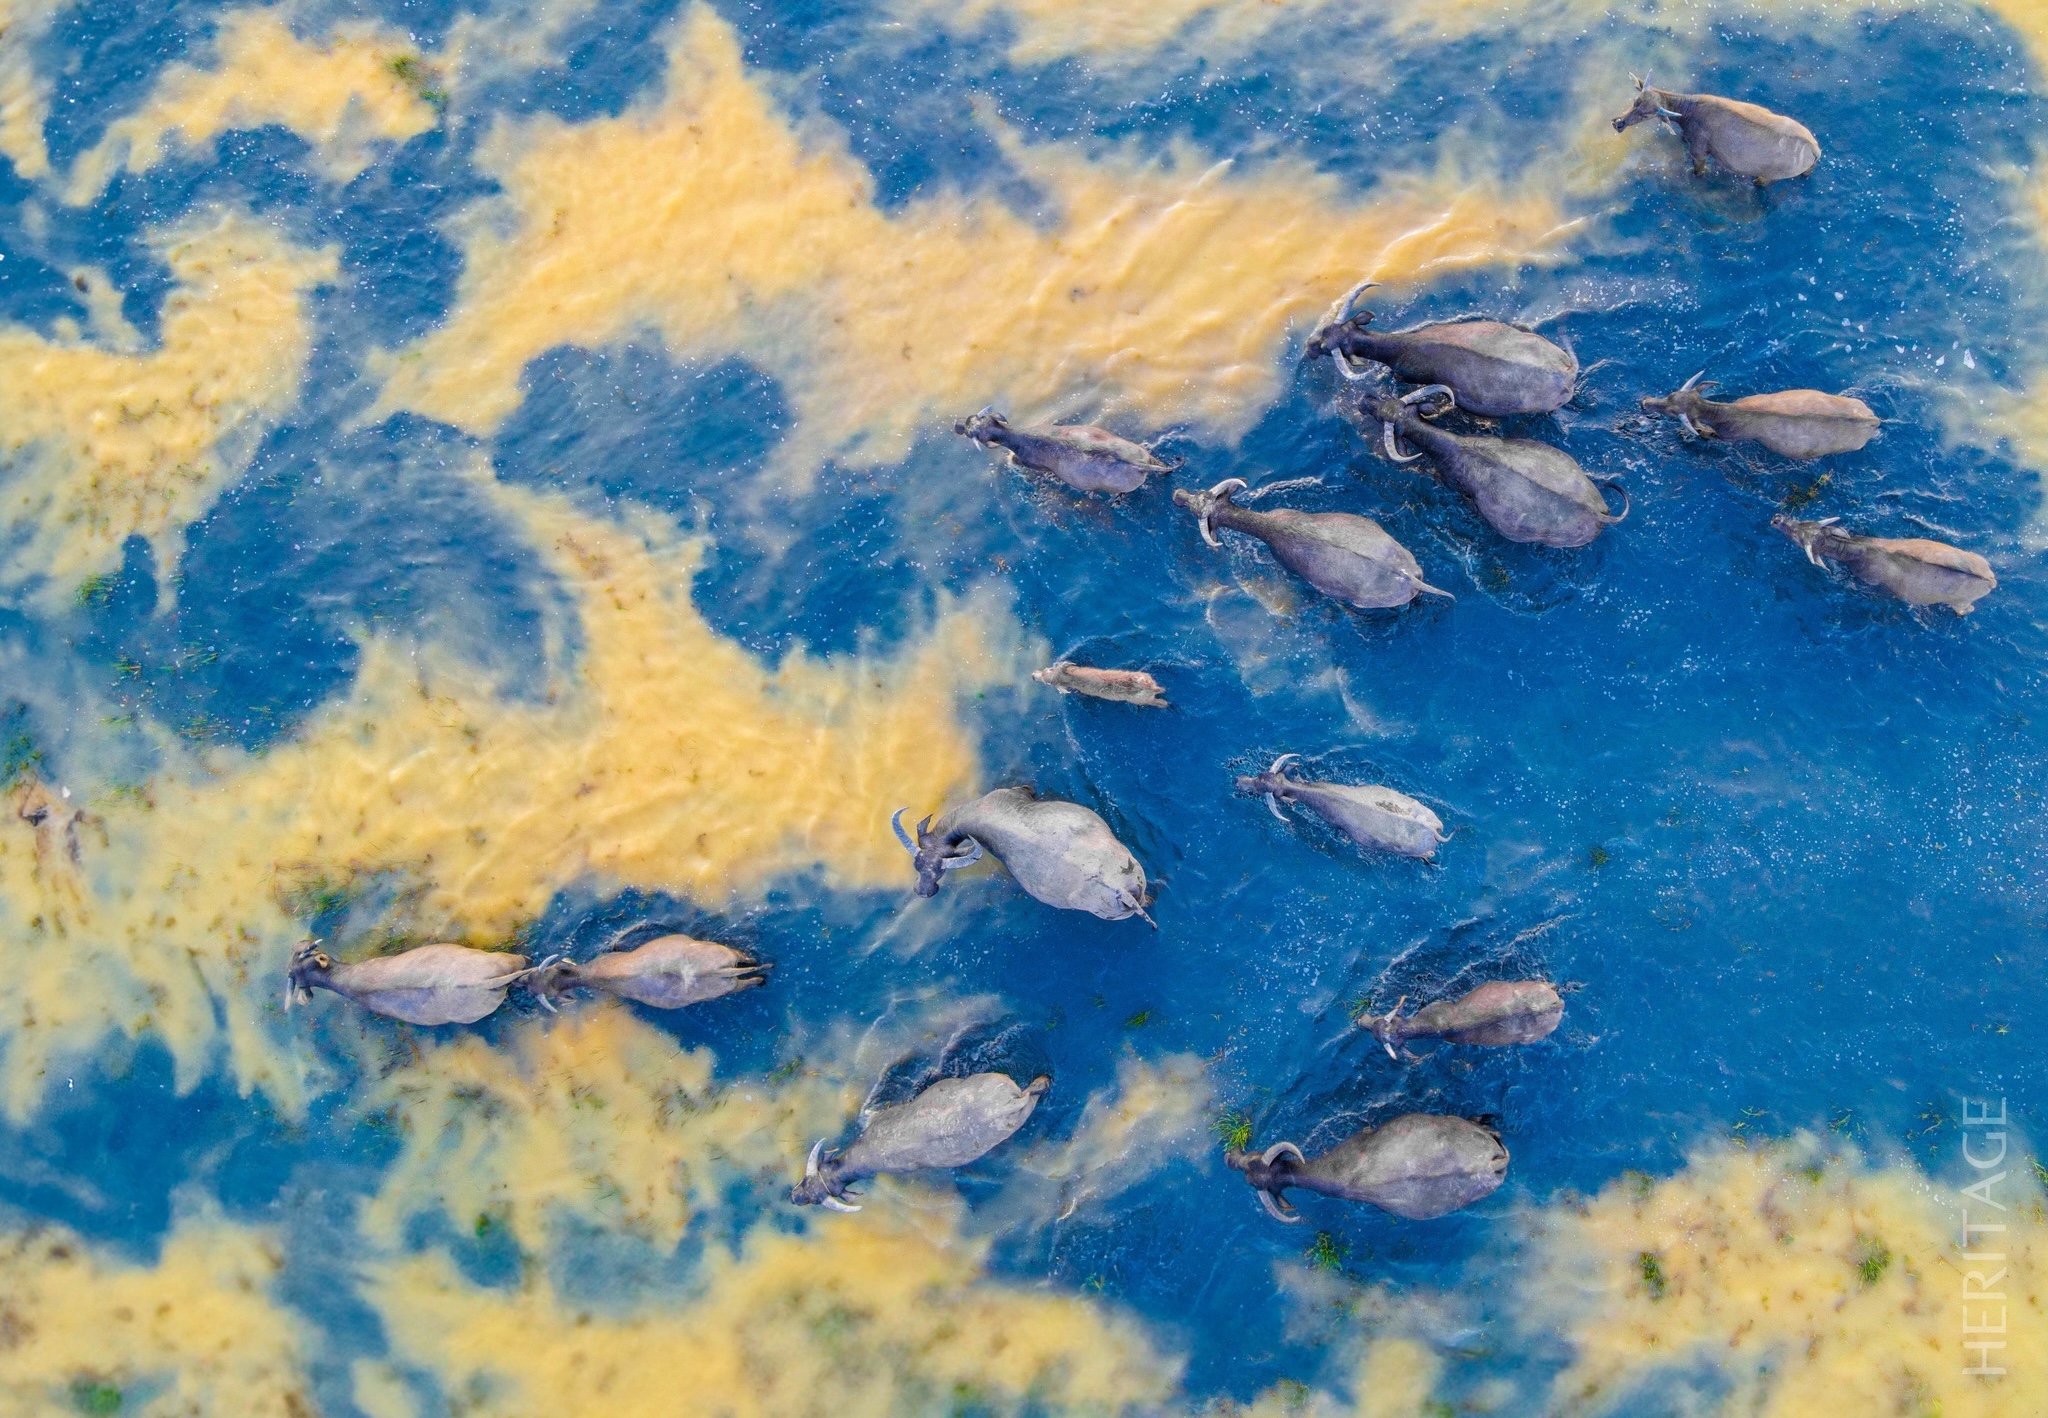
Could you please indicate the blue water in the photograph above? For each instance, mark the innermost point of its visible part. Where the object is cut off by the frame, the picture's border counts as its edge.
(1786, 837)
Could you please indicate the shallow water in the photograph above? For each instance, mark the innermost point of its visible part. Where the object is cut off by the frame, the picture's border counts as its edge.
(486, 475)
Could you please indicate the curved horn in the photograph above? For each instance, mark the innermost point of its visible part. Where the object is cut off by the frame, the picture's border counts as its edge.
(811, 1162)
(1392, 445)
(1273, 806)
(1281, 1149)
(1639, 82)
(1340, 309)
(1690, 427)
(1663, 112)
(1690, 382)
(833, 1203)
(1421, 585)
(1221, 492)
(1352, 370)
(1391, 1024)
(1282, 761)
(1622, 516)
(1273, 1208)
(962, 859)
(1431, 391)
(896, 822)
(1642, 83)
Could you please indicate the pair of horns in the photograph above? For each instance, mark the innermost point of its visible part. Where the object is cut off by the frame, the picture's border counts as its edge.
(1273, 803)
(1391, 443)
(1278, 1208)
(1219, 493)
(827, 1200)
(952, 862)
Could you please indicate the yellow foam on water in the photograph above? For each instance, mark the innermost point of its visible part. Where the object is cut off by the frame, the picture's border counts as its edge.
(1811, 1288)
(1395, 1378)
(110, 441)
(198, 1331)
(1157, 1110)
(858, 1317)
(664, 758)
(343, 94)
(1162, 291)
(24, 92)
(596, 1116)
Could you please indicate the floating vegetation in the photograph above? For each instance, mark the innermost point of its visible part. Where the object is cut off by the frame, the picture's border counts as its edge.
(1873, 1258)
(1652, 1271)
(19, 756)
(422, 78)
(1800, 497)
(1326, 1252)
(1234, 1130)
(95, 1396)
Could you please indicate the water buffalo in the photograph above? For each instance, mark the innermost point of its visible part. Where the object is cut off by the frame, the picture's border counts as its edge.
(666, 973)
(1526, 491)
(1795, 423)
(1496, 369)
(1498, 1012)
(1419, 1165)
(432, 984)
(1085, 458)
(1123, 686)
(1060, 852)
(1372, 815)
(1916, 570)
(949, 1124)
(1345, 556)
(1747, 140)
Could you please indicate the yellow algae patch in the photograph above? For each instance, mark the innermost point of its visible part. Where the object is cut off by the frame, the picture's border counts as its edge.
(860, 1320)
(107, 443)
(1156, 1111)
(600, 1117)
(197, 1332)
(24, 93)
(342, 95)
(1164, 291)
(1396, 1378)
(1810, 1288)
(663, 758)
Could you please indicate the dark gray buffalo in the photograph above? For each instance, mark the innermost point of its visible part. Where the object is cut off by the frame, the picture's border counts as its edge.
(1341, 554)
(1495, 369)
(670, 972)
(1744, 138)
(951, 1123)
(1527, 491)
(1083, 457)
(1371, 815)
(1794, 423)
(431, 984)
(1499, 1012)
(1419, 1165)
(1060, 852)
(1916, 570)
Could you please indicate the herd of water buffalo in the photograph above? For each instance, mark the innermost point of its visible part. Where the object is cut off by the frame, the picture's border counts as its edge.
(1063, 854)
